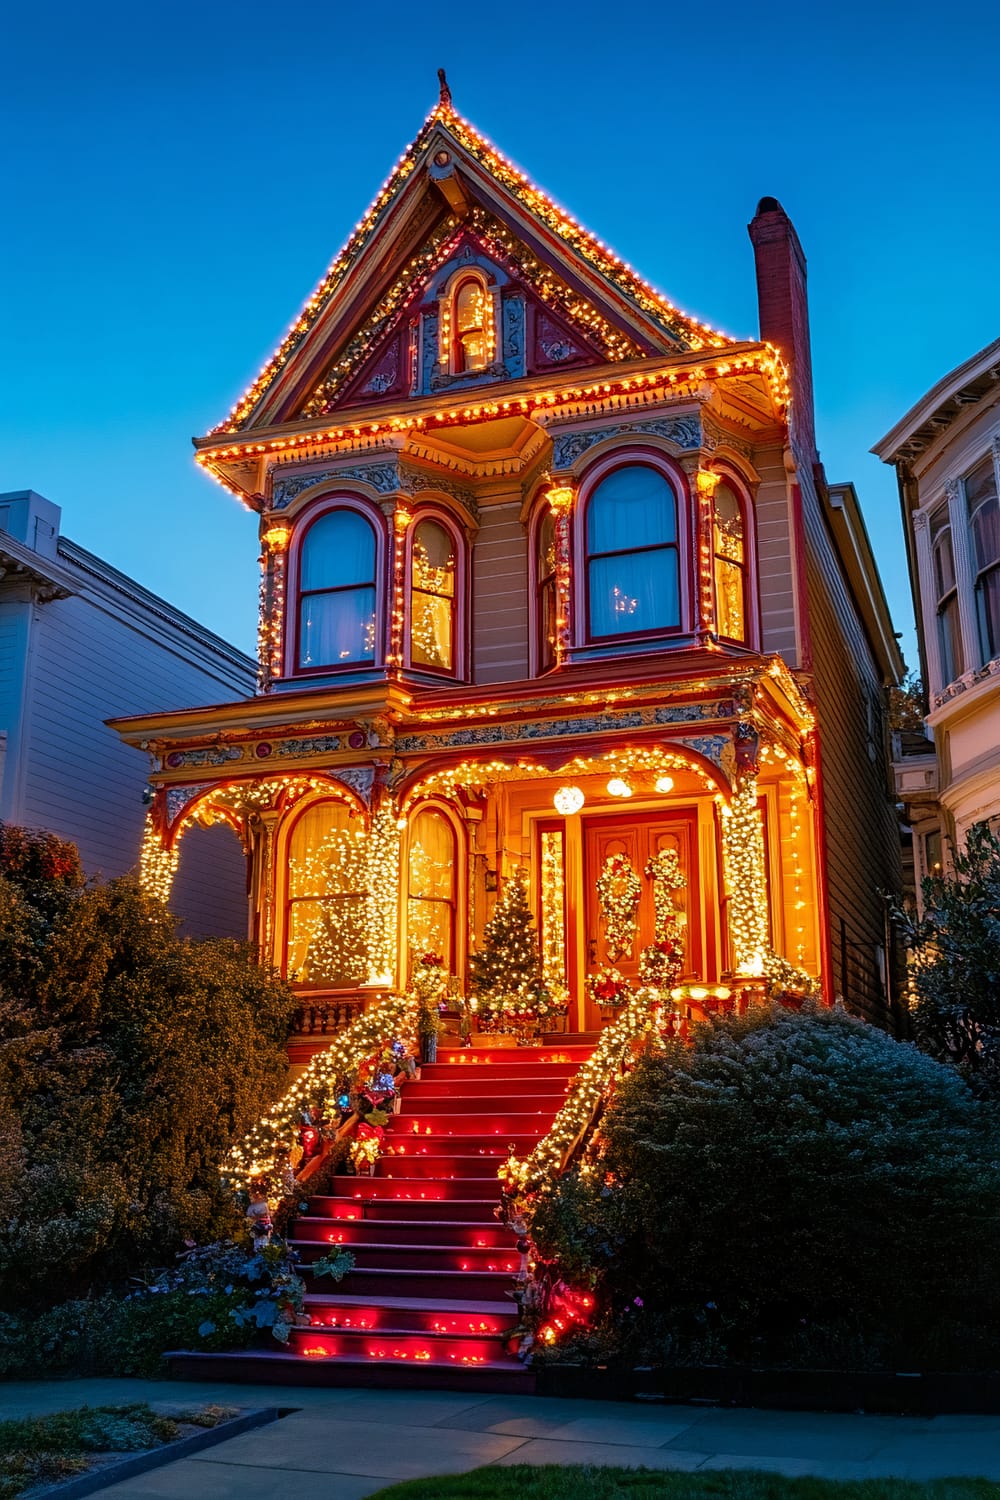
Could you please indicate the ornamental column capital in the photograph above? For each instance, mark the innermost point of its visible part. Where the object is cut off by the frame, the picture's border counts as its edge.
(560, 495)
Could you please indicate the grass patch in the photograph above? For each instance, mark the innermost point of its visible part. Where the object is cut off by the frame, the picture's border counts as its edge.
(44, 1450)
(588, 1482)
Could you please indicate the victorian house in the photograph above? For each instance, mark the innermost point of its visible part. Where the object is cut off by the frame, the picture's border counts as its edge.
(550, 572)
(946, 453)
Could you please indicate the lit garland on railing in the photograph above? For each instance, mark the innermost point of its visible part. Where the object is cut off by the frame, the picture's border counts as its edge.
(520, 1179)
(370, 1034)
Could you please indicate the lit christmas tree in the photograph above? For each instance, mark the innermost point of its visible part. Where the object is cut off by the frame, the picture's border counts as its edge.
(506, 973)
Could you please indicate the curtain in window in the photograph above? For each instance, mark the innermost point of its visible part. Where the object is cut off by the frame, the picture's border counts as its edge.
(984, 527)
(730, 560)
(337, 591)
(327, 877)
(432, 597)
(949, 624)
(431, 889)
(633, 576)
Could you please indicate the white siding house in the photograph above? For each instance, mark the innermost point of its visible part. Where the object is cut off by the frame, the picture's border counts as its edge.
(81, 643)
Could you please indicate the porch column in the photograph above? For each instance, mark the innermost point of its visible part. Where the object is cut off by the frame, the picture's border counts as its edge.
(157, 860)
(382, 847)
(561, 498)
(262, 826)
(744, 862)
(270, 629)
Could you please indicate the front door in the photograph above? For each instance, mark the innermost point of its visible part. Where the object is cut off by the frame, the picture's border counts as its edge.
(638, 839)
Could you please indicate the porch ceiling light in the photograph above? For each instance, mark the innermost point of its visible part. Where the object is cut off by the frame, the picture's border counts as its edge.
(617, 787)
(664, 784)
(568, 800)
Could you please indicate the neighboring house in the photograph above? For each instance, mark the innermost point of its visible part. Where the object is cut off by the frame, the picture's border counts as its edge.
(551, 578)
(80, 642)
(946, 452)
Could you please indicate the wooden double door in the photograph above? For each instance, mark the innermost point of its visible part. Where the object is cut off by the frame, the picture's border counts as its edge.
(639, 839)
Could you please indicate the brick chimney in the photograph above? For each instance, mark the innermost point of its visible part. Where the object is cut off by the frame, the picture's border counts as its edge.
(783, 306)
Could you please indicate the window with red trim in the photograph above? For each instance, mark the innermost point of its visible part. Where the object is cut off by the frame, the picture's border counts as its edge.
(632, 555)
(433, 597)
(337, 591)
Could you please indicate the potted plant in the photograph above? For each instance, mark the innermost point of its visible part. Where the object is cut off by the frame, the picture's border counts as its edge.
(429, 984)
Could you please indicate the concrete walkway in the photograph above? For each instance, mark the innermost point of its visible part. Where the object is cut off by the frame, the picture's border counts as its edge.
(343, 1445)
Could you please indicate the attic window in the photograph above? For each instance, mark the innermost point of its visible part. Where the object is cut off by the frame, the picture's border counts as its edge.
(472, 324)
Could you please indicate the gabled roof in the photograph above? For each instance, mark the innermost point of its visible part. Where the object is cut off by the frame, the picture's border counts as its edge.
(413, 204)
(935, 412)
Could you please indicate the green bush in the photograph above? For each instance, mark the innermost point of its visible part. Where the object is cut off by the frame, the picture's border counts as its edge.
(789, 1188)
(130, 1061)
(218, 1297)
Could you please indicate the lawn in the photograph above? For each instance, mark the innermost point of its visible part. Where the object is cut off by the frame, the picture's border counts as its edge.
(43, 1450)
(555, 1482)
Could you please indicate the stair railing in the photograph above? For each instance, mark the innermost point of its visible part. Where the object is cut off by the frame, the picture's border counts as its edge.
(575, 1121)
(388, 1020)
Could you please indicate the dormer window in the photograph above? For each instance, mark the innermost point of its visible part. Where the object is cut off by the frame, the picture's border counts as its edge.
(473, 339)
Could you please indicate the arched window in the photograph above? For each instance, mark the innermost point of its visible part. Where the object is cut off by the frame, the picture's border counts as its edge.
(337, 591)
(433, 569)
(729, 549)
(633, 568)
(472, 327)
(432, 888)
(546, 597)
(327, 898)
(946, 589)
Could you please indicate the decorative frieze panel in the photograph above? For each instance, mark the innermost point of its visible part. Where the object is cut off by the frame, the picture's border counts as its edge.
(388, 477)
(686, 432)
(556, 729)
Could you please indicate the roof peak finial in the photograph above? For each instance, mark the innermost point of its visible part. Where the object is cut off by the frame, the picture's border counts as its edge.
(445, 97)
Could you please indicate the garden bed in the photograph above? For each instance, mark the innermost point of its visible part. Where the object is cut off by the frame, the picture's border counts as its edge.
(74, 1453)
(924, 1393)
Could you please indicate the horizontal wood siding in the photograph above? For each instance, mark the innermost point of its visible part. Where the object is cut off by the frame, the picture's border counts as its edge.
(87, 665)
(210, 887)
(500, 596)
(774, 558)
(861, 827)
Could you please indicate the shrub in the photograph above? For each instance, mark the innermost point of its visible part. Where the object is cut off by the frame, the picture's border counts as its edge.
(217, 1297)
(791, 1188)
(130, 1061)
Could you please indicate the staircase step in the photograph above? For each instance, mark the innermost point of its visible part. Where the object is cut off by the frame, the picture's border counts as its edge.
(404, 1232)
(436, 1166)
(392, 1210)
(511, 1085)
(483, 1107)
(412, 1314)
(376, 1281)
(388, 1255)
(427, 1189)
(259, 1367)
(398, 1344)
(446, 1143)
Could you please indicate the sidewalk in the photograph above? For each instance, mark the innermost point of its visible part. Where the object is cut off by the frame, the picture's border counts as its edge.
(344, 1445)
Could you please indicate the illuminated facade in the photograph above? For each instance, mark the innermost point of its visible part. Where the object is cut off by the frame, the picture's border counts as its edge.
(946, 453)
(539, 556)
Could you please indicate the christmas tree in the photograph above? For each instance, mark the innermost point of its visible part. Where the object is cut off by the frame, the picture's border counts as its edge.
(506, 973)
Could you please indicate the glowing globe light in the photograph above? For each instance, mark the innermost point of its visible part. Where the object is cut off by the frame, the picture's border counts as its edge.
(568, 800)
(664, 784)
(618, 788)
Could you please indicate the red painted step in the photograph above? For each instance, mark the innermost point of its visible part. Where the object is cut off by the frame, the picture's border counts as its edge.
(428, 1302)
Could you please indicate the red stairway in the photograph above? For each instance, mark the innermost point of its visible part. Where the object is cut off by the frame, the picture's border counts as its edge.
(427, 1303)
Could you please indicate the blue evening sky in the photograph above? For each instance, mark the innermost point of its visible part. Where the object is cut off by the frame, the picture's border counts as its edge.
(182, 174)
